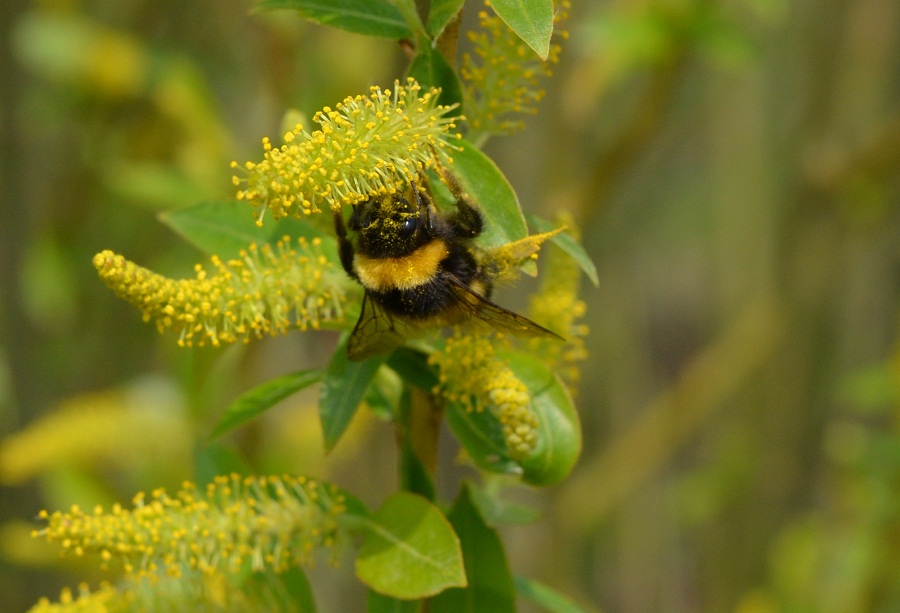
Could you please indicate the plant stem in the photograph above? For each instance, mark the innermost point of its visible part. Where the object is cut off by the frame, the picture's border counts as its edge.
(418, 433)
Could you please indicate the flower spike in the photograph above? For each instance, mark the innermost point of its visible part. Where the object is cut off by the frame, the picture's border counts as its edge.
(366, 146)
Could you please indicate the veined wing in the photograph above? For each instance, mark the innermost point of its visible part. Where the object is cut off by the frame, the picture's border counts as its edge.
(480, 308)
(377, 332)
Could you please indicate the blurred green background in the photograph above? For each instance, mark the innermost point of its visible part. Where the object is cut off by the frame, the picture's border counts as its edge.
(735, 170)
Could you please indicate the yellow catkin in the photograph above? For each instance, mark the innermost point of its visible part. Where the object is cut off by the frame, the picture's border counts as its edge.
(501, 76)
(266, 291)
(557, 306)
(473, 376)
(263, 522)
(366, 146)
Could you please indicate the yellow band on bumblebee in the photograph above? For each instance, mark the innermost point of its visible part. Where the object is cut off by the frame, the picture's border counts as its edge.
(407, 272)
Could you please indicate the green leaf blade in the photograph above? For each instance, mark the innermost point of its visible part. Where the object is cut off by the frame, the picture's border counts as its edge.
(410, 550)
(441, 13)
(559, 432)
(547, 598)
(482, 436)
(488, 187)
(531, 20)
(263, 397)
(298, 594)
(220, 227)
(412, 366)
(430, 69)
(567, 243)
(379, 603)
(370, 17)
(491, 586)
(343, 387)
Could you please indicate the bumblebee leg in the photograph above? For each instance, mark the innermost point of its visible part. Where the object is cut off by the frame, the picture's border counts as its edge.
(427, 212)
(467, 220)
(345, 247)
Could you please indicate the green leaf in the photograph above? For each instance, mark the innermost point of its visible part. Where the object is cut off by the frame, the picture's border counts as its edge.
(263, 397)
(545, 597)
(487, 569)
(486, 185)
(218, 227)
(343, 387)
(430, 69)
(440, 13)
(559, 435)
(482, 435)
(371, 17)
(410, 550)
(413, 367)
(531, 20)
(226, 227)
(298, 591)
(499, 512)
(567, 243)
(213, 460)
(383, 394)
(379, 603)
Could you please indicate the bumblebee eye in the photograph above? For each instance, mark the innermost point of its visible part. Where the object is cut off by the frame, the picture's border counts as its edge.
(409, 226)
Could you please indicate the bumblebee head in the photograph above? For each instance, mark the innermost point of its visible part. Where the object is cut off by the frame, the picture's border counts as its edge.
(391, 226)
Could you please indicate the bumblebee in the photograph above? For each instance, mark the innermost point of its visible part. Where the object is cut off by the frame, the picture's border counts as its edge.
(419, 270)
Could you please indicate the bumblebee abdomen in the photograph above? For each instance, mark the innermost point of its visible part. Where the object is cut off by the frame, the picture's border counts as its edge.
(419, 285)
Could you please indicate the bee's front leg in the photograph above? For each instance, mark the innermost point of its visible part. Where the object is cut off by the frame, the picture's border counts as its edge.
(467, 220)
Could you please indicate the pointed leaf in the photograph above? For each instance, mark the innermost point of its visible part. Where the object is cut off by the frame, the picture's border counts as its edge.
(379, 603)
(487, 569)
(486, 185)
(481, 434)
(431, 69)
(413, 367)
(440, 13)
(343, 388)
(213, 460)
(371, 17)
(218, 227)
(547, 598)
(298, 595)
(410, 550)
(567, 243)
(531, 20)
(499, 512)
(263, 397)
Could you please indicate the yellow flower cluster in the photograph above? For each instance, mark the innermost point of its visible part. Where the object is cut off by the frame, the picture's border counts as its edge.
(366, 146)
(557, 306)
(502, 75)
(192, 591)
(266, 291)
(264, 523)
(473, 376)
(104, 599)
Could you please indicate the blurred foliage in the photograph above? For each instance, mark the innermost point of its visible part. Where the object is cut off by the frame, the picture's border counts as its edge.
(735, 167)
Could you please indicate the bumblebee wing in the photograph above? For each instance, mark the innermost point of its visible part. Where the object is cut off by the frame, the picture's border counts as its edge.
(376, 332)
(496, 316)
